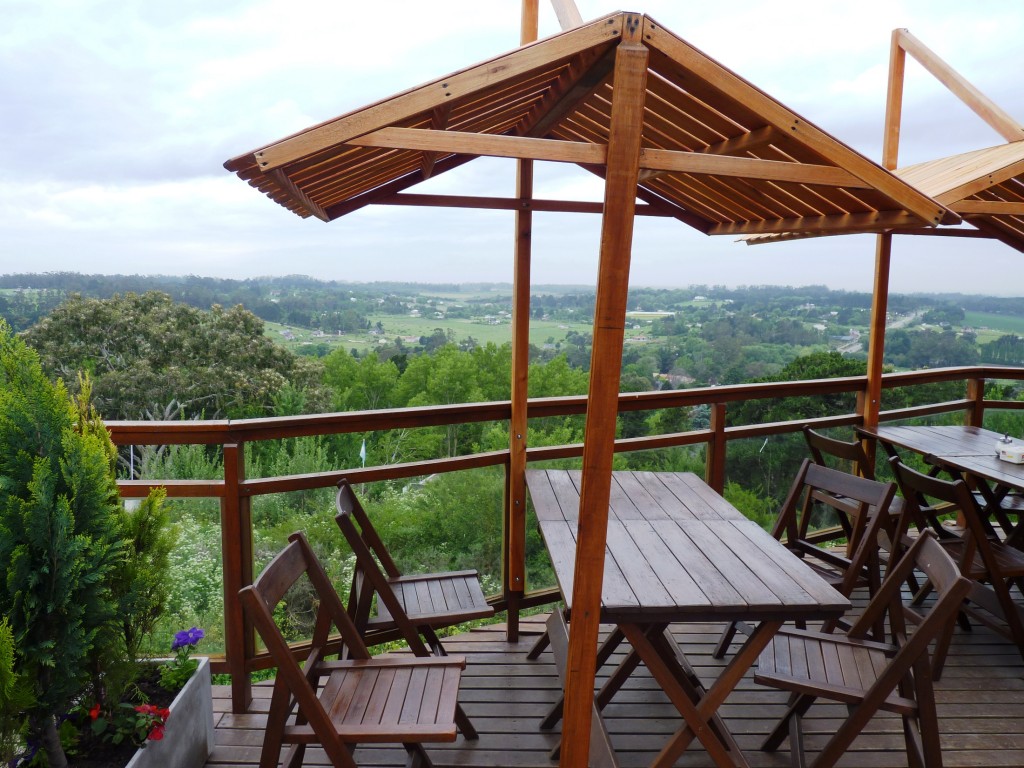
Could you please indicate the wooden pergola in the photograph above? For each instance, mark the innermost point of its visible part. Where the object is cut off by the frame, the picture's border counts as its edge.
(671, 132)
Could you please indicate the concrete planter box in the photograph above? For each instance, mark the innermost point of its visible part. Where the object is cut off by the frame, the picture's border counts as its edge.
(188, 737)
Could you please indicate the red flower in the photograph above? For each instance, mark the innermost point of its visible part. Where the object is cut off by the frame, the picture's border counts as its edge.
(157, 733)
(95, 711)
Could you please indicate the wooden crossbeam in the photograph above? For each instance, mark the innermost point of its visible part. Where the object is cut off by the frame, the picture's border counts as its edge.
(512, 204)
(656, 160)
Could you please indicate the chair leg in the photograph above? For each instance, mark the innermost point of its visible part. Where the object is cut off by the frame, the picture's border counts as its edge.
(797, 709)
(728, 634)
(539, 647)
(417, 756)
(465, 724)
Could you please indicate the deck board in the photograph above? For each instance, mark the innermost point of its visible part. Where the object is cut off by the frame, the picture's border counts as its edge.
(980, 700)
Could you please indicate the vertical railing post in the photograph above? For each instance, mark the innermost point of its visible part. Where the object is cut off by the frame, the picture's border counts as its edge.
(714, 463)
(237, 562)
(975, 416)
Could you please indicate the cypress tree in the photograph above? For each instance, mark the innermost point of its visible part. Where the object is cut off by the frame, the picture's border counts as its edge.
(58, 536)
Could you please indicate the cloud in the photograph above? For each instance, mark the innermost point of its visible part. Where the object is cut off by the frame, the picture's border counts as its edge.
(119, 114)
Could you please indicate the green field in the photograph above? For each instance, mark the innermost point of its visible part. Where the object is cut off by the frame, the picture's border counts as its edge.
(407, 327)
(1004, 323)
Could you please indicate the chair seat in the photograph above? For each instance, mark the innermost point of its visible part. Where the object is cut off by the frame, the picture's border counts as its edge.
(1009, 560)
(841, 668)
(389, 699)
(435, 599)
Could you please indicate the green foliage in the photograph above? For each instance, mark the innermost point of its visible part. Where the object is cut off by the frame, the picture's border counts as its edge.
(15, 698)
(152, 358)
(59, 540)
(139, 581)
(752, 505)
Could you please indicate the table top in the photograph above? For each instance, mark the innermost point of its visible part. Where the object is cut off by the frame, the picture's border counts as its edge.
(1002, 473)
(677, 551)
(946, 440)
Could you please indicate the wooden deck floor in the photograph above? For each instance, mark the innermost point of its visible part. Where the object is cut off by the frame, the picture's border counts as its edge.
(980, 699)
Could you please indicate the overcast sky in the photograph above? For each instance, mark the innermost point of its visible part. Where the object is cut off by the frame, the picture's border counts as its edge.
(118, 114)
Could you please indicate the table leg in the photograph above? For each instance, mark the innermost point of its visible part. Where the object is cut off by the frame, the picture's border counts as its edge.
(698, 707)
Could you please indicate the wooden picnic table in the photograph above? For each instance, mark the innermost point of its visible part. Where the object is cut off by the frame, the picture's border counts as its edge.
(966, 451)
(676, 552)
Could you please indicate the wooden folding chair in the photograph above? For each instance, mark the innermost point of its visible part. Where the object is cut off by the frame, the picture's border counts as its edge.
(978, 552)
(869, 501)
(409, 607)
(851, 457)
(865, 675)
(338, 704)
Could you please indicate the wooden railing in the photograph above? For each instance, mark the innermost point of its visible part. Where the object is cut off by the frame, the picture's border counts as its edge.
(235, 491)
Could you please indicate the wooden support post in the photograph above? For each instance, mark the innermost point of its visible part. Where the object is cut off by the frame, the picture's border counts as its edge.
(515, 519)
(515, 478)
(529, 24)
(869, 402)
(236, 560)
(714, 460)
(876, 336)
(894, 103)
(629, 86)
(975, 416)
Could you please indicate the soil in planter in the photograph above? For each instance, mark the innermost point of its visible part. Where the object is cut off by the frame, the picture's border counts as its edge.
(94, 753)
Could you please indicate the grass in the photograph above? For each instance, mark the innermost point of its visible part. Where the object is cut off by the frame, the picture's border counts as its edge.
(1002, 323)
(482, 330)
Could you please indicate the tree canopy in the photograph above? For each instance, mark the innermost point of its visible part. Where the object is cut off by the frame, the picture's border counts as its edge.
(152, 358)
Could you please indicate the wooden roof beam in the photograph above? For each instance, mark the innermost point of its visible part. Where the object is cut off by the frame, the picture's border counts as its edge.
(567, 13)
(995, 116)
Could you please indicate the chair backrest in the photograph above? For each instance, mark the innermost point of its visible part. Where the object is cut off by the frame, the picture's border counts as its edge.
(951, 587)
(840, 490)
(822, 446)
(927, 497)
(350, 509)
(374, 568)
(293, 683)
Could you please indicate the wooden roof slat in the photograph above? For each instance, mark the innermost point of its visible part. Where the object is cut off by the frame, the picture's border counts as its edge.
(951, 179)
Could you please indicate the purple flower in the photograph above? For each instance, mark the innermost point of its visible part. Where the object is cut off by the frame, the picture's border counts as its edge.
(186, 637)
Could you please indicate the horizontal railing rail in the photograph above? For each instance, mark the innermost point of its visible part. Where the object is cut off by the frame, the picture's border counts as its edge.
(235, 491)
